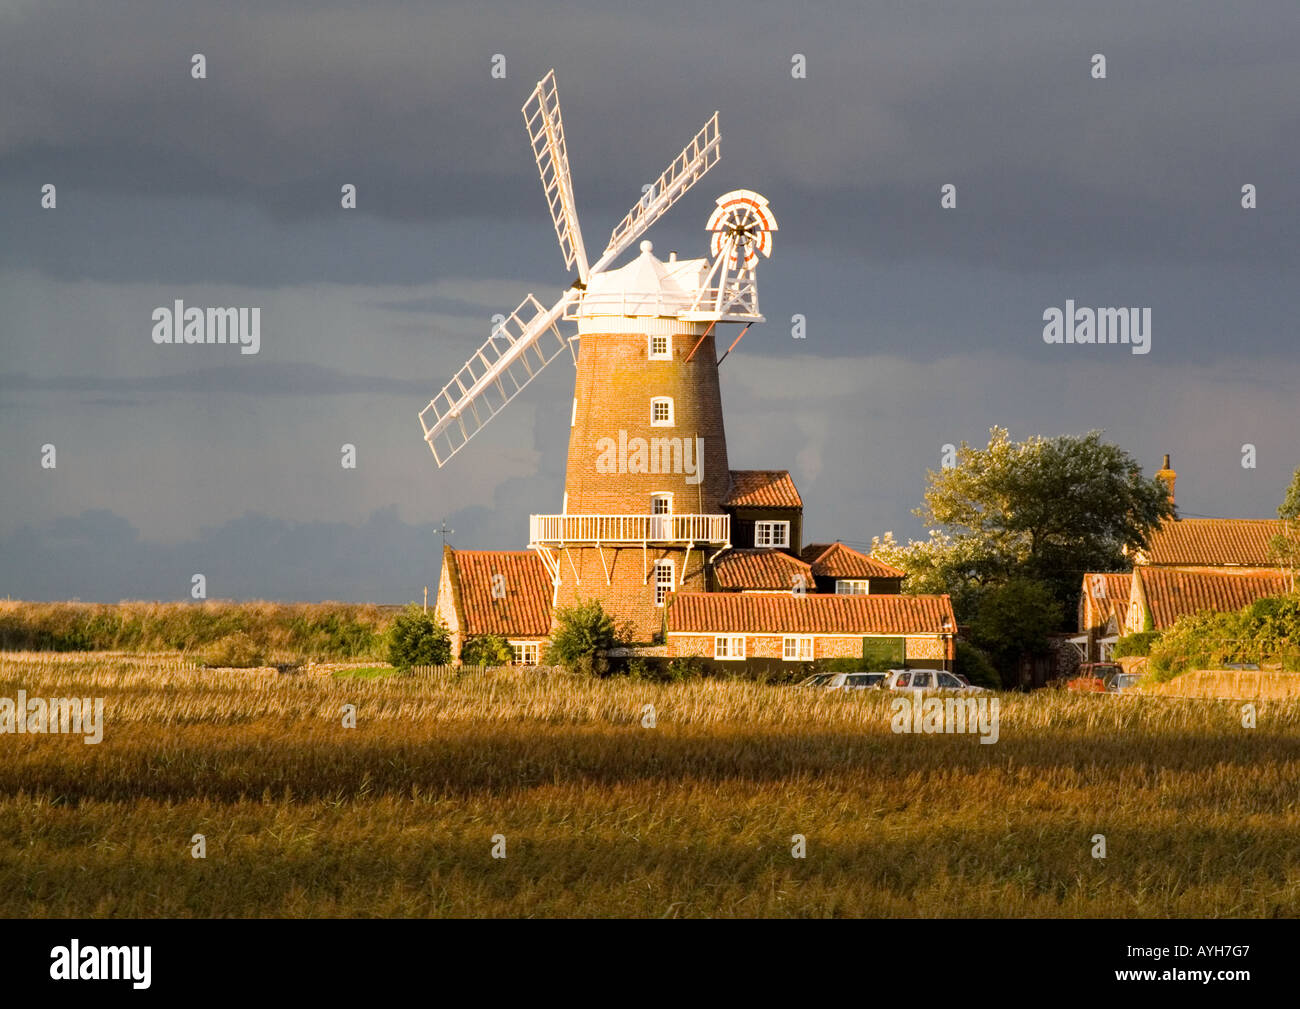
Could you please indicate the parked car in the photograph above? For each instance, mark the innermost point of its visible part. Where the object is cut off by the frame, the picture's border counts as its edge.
(1121, 682)
(1091, 677)
(843, 681)
(921, 680)
(1243, 666)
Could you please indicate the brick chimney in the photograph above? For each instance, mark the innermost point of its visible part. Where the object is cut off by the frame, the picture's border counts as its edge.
(1168, 476)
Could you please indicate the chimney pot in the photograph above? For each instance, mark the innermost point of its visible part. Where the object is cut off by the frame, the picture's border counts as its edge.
(1168, 475)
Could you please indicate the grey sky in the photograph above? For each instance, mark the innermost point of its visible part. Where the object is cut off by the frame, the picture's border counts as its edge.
(924, 325)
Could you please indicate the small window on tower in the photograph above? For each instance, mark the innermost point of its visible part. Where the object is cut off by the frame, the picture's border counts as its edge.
(661, 348)
(661, 411)
(661, 504)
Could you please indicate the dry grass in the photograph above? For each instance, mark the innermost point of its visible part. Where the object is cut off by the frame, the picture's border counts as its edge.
(604, 817)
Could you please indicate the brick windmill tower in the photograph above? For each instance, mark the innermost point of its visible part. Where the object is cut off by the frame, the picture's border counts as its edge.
(647, 472)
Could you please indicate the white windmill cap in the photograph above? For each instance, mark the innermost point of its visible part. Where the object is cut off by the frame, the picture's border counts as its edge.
(647, 286)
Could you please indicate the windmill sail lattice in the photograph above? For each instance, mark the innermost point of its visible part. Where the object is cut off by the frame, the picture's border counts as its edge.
(546, 135)
(516, 351)
(530, 338)
(697, 157)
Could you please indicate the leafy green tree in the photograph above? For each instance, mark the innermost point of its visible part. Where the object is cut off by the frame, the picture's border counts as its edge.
(583, 636)
(972, 663)
(418, 639)
(487, 650)
(1015, 618)
(1286, 545)
(1045, 509)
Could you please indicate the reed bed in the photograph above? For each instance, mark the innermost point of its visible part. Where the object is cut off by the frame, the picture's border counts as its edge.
(605, 817)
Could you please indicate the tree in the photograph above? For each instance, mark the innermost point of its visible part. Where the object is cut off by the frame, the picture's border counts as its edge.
(583, 636)
(418, 638)
(972, 663)
(1045, 509)
(487, 650)
(1014, 619)
(1286, 544)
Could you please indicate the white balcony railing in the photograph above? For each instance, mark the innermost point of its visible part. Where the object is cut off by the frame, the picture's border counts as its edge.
(732, 301)
(576, 530)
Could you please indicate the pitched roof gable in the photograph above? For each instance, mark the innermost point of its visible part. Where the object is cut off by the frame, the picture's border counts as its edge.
(760, 569)
(522, 609)
(1213, 542)
(762, 488)
(1173, 594)
(1108, 592)
(835, 560)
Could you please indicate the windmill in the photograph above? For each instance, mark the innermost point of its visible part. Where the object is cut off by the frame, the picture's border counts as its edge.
(529, 338)
(647, 480)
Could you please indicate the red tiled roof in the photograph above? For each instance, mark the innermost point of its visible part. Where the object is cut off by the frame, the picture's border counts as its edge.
(835, 560)
(729, 612)
(1172, 594)
(524, 610)
(762, 488)
(1109, 593)
(1211, 542)
(761, 569)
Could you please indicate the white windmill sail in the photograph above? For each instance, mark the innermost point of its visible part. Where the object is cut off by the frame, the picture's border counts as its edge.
(687, 168)
(516, 351)
(530, 339)
(546, 135)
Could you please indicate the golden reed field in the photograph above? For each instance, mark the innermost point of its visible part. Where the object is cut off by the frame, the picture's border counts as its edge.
(603, 817)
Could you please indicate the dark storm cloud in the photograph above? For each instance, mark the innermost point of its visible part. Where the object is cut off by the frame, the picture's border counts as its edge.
(928, 322)
(99, 556)
(1054, 170)
(269, 379)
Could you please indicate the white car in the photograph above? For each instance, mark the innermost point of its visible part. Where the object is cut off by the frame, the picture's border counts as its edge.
(920, 680)
(843, 681)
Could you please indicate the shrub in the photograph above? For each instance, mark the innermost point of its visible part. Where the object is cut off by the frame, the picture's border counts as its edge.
(1138, 643)
(1014, 619)
(1268, 630)
(972, 663)
(487, 650)
(583, 636)
(843, 665)
(689, 668)
(239, 650)
(418, 639)
(334, 630)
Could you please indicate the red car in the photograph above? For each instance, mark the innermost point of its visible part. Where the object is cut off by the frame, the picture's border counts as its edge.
(1092, 677)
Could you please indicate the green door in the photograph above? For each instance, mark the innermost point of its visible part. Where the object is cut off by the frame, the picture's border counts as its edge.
(883, 653)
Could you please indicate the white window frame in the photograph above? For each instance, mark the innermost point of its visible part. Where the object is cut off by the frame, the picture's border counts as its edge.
(666, 354)
(773, 527)
(729, 647)
(849, 586)
(657, 400)
(661, 495)
(662, 588)
(797, 648)
(522, 650)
